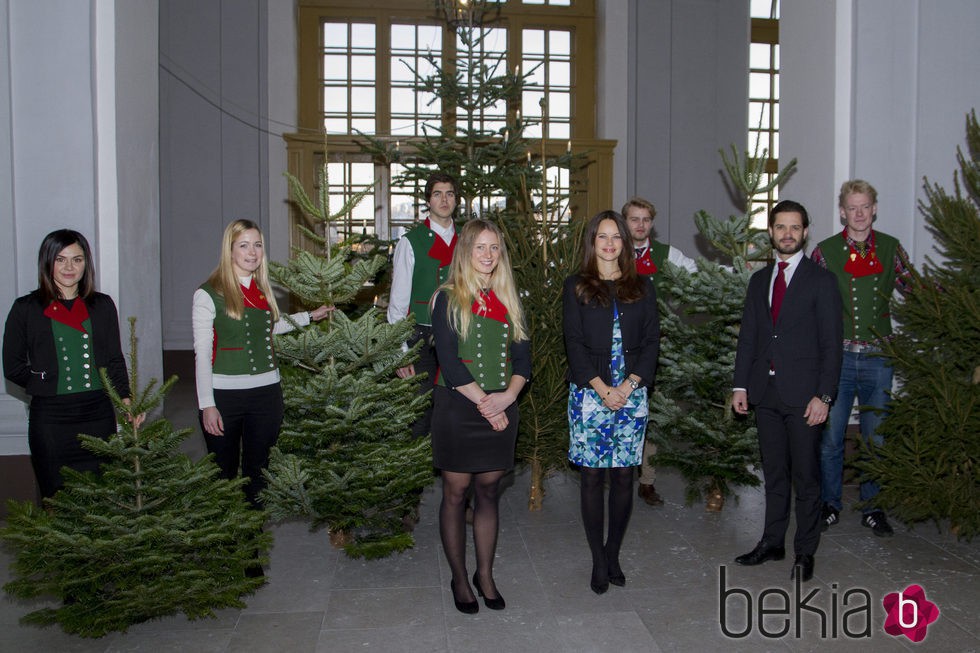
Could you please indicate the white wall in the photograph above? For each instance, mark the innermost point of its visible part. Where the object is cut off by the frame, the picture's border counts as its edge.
(77, 134)
(217, 145)
(876, 89)
(673, 91)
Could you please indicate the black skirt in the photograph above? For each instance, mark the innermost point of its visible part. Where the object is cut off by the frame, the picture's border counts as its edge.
(464, 441)
(52, 434)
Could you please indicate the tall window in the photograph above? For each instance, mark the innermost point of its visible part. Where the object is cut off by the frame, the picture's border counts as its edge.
(764, 96)
(361, 68)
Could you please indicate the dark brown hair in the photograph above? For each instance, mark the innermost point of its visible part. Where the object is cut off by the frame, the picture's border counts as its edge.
(629, 286)
(51, 246)
(440, 178)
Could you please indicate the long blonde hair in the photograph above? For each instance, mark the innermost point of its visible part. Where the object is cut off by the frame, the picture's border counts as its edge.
(463, 285)
(227, 284)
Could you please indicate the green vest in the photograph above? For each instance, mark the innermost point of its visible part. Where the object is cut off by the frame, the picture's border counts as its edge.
(76, 358)
(866, 298)
(654, 258)
(241, 346)
(486, 352)
(432, 258)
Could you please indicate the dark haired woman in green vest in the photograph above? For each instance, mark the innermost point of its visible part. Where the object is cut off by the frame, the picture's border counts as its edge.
(54, 343)
(234, 318)
(484, 362)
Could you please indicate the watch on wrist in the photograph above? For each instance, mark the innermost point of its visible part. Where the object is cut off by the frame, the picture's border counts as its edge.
(827, 399)
(633, 384)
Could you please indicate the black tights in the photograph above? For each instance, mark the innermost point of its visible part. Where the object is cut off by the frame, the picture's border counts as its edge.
(605, 556)
(452, 528)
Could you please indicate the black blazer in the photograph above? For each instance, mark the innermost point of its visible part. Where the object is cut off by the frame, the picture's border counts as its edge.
(28, 345)
(588, 335)
(804, 346)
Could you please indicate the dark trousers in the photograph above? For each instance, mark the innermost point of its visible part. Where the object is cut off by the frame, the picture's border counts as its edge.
(251, 419)
(790, 461)
(428, 365)
(52, 433)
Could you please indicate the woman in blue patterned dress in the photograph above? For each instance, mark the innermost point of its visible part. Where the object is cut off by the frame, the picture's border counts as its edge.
(612, 335)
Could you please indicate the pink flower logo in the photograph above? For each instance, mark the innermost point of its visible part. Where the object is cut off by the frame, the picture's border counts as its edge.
(909, 613)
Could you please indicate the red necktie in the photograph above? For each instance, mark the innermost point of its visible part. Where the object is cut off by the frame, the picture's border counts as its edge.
(778, 290)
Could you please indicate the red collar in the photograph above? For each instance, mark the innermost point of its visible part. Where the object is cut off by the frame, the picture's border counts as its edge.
(495, 310)
(73, 317)
(440, 250)
(862, 266)
(254, 298)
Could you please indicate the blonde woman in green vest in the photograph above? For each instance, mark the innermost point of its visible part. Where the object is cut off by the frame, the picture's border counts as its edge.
(484, 362)
(55, 341)
(234, 318)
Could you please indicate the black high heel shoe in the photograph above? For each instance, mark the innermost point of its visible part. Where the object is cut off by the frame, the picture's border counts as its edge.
(466, 607)
(616, 575)
(599, 581)
(494, 604)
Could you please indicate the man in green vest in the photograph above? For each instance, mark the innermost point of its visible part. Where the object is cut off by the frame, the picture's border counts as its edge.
(421, 264)
(651, 256)
(869, 266)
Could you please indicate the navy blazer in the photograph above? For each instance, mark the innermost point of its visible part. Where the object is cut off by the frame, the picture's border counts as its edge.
(29, 356)
(804, 346)
(588, 335)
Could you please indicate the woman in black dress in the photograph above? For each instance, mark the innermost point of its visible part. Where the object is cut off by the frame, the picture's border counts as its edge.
(55, 340)
(484, 357)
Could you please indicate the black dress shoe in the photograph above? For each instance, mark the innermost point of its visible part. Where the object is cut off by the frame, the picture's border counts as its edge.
(466, 607)
(761, 553)
(803, 563)
(494, 604)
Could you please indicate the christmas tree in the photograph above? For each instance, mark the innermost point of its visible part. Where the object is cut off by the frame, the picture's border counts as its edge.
(345, 458)
(504, 177)
(152, 535)
(928, 467)
(690, 417)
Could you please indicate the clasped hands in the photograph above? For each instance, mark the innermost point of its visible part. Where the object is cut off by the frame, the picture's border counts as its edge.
(613, 397)
(492, 407)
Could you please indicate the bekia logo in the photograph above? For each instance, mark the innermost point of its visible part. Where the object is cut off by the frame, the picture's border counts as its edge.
(909, 613)
(776, 613)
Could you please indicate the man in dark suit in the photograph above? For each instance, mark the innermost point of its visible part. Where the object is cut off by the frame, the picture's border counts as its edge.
(787, 366)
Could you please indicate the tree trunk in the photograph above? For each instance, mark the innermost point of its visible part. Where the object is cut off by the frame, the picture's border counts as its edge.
(535, 499)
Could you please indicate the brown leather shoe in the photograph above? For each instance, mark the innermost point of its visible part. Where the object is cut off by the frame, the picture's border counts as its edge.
(649, 494)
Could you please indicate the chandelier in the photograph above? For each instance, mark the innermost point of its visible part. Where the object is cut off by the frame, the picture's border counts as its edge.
(468, 13)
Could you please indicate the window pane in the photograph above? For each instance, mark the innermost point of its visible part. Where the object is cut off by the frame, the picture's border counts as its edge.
(759, 55)
(558, 74)
(759, 115)
(335, 35)
(335, 100)
(763, 9)
(336, 126)
(403, 37)
(335, 67)
(758, 85)
(365, 125)
(533, 41)
(362, 100)
(558, 105)
(362, 68)
(362, 36)
(558, 130)
(560, 42)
